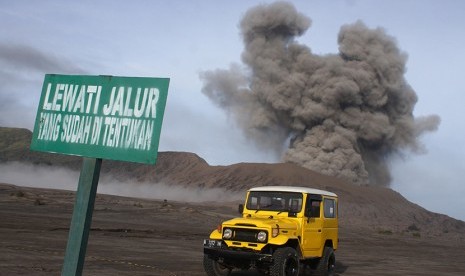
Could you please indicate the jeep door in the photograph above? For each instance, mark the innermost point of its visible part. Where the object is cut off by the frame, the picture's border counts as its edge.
(312, 226)
(330, 221)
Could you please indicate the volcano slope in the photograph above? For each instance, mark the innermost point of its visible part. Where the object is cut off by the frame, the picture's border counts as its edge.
(381, 233)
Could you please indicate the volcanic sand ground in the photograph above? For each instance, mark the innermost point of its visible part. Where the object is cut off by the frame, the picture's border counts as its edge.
(151, 237)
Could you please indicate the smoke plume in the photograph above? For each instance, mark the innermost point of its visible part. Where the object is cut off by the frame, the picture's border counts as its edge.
(342, 114)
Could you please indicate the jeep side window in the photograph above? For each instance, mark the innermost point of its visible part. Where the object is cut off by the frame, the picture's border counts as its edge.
(312, 209)
(315, 205)
(329, 208)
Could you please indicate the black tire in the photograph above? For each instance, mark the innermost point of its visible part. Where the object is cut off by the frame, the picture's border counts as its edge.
(327, 263)
(213, 268)
(285, 262)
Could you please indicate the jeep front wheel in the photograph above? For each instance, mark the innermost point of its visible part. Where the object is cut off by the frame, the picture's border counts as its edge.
(213, 268)
(285, 262)
(327, 263)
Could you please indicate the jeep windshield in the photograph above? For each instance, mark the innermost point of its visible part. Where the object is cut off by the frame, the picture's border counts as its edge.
(274, 201)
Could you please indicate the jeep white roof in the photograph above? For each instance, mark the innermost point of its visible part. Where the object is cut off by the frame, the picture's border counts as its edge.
(293, 189)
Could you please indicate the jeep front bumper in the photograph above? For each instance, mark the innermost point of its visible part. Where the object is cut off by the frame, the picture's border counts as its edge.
(217, 249)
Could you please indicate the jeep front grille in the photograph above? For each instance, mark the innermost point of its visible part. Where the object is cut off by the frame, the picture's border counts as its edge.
(245, 235)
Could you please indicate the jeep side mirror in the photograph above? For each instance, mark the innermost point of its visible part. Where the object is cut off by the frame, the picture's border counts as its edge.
(241, 209)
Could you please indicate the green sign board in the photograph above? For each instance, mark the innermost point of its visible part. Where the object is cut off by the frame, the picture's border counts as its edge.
(105, 117)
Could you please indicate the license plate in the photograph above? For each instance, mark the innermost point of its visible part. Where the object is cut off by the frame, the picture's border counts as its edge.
(212, 243)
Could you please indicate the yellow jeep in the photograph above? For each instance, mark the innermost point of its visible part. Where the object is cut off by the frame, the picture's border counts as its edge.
(282, 229)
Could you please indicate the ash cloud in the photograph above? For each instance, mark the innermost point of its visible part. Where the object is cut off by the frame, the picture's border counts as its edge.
(22, 70)
(23, 57)
(342, 114)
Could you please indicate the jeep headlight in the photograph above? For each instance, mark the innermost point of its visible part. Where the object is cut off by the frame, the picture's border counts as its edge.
(227, 233)
(261, 237)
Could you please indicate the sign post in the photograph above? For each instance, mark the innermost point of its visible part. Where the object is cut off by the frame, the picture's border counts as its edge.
(97, 117)
(82, 217)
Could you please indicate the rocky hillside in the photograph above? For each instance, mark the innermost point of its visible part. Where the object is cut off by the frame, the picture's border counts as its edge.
(360, 206)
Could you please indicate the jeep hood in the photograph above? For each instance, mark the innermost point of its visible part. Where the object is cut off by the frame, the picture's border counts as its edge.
(284, 223)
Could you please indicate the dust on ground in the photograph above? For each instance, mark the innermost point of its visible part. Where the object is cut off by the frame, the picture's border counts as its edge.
(132, 236)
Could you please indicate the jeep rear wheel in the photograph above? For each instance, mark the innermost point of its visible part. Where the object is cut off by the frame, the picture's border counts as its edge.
(285, 262)
(213, 268)
(326, 265)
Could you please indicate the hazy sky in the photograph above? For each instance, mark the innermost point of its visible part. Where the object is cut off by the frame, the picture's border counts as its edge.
(181, 39)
